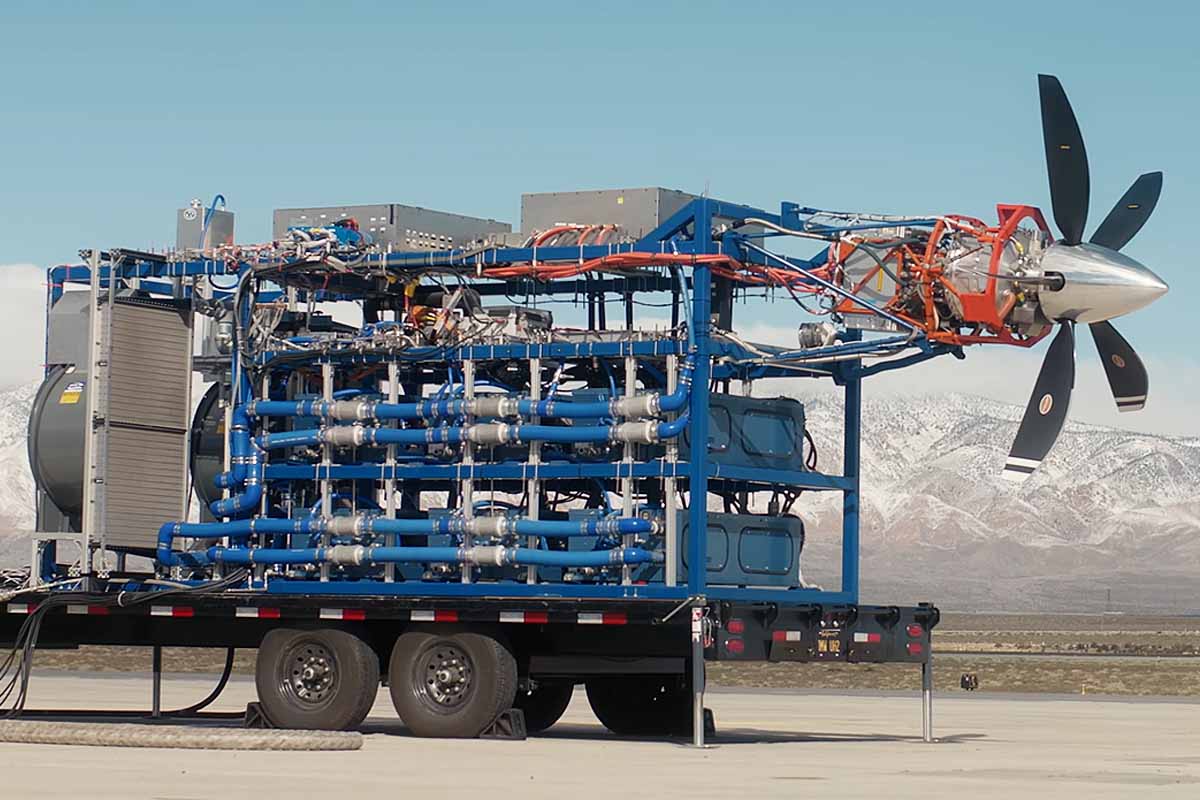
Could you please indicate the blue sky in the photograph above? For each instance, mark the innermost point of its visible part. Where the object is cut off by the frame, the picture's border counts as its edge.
(115, 114)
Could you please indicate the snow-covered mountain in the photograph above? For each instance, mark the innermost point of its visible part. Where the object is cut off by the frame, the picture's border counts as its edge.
(1108, 510)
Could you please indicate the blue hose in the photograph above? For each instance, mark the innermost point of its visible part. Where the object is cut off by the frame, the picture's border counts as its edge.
(437, 407)
(394, 555)
(240, 530)
(512, 434)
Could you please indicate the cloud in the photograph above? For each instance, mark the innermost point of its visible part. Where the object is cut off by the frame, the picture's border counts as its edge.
(23, 311)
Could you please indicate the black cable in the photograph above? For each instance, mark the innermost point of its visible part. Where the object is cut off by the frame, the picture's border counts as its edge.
(17, 667)
(810, 460)
(213, 695)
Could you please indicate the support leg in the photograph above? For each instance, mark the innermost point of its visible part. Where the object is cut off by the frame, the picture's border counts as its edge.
(698, 676)
(156, 683)
(927, 699)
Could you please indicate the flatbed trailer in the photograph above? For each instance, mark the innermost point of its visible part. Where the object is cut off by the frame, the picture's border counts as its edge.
(514, 620)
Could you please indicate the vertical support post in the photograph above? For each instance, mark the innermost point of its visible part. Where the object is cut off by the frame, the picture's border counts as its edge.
(627, 468)
(534, 485)
(697, 551)
(927, 698)
(852, 458)
(326, 462)
(670, 496)
(92, 443)
(698, 673)
(156, 681)
(467, 491)
(389, 484)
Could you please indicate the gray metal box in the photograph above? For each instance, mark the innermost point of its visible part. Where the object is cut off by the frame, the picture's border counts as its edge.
(189, 225)
(758, 432)
(635, 211)
(403, 227)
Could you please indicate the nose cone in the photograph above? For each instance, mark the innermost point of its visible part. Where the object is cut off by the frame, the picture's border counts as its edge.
(1098, 284)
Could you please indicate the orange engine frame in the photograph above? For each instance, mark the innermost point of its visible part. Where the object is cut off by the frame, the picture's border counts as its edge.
(979, 309)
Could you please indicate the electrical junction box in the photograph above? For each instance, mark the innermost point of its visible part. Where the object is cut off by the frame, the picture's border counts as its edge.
(742, 550)
(748, 549)
(635, 211)
(190, 232)
(759, 432)
(405, 228)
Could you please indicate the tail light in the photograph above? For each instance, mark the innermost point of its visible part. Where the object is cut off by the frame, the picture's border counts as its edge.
(915, 630)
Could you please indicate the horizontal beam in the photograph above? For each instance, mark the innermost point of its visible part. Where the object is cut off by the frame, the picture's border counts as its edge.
(781, 477)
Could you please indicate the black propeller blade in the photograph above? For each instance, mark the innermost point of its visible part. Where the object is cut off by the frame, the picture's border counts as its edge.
(1066, 160)
(1047, 409)
(1130, 213)
(1126, 374)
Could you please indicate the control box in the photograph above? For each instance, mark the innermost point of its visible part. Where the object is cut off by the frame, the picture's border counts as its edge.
(404, 228)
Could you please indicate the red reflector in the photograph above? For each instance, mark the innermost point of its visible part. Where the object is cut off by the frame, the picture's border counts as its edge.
(182, 611)
(914, 630)
(269, 613)
(735, 646)
(615, 618)
(915, 648)
(445, 616)
(537, 617)
(98, 610)
(736, 626)
(354, 613)
(778, 636)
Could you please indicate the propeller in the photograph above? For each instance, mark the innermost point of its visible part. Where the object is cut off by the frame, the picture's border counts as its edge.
(1067, 168)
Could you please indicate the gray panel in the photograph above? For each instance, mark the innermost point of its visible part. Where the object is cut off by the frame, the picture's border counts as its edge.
(635, 211)
(403, 227)
(149, 417)
(189, 226)
(145, 474)
(67, 334)
(151, 372)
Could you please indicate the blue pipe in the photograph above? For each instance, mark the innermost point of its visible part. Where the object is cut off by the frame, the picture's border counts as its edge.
(240, 530)
(236, 529)
(385, 555)
(245, 470)
(506, 434)
(437, 408)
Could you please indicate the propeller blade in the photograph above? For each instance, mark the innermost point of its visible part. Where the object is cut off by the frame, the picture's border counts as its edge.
(1126, 374)
(1130, 213)
(1066, 160)
(1047, 409)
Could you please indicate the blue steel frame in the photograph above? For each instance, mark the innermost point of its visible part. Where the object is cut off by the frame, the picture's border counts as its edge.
(840, 361)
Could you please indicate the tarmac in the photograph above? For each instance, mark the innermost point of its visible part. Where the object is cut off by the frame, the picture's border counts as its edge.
(769, 743)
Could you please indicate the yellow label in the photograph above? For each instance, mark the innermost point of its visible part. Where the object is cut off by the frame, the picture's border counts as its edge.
(71, 394)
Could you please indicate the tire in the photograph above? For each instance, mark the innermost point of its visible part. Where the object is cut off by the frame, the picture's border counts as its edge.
(642, 705)
(323, 679)
(545, 705)
(450, 684)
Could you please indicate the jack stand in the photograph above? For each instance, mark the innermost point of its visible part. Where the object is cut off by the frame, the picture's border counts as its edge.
(156, 683)
(509, 726)
(699, 718)
(927, 699)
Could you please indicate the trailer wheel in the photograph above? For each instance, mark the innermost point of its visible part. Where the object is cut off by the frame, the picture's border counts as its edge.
(642, 705)
(316, 680)
(450, 684)
(545, 705)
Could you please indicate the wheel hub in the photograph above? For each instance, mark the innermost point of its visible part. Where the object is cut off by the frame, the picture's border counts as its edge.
(444, 677)
(311, 673)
